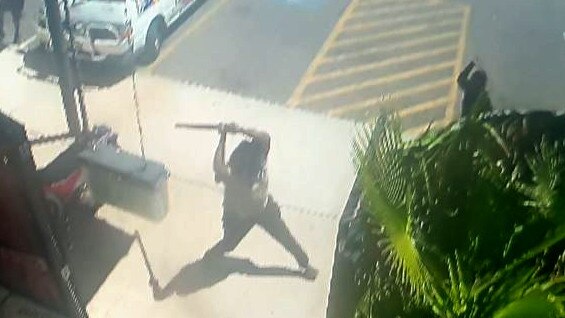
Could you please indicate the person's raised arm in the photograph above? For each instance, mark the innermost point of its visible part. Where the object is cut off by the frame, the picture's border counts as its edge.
(463, 78)
(263, 137)
(221, 170)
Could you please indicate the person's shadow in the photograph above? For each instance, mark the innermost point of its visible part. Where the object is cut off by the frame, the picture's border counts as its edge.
(207, 272)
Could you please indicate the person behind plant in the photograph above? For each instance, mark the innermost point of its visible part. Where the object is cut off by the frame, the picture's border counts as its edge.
(246, 198)
(475, 96)
(15, 7)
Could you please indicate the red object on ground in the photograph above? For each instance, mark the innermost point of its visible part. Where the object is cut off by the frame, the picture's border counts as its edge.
(64, 189)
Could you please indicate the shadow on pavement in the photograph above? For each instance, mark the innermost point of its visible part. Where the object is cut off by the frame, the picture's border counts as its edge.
(40, 64)
(205, 273)
(97, 248)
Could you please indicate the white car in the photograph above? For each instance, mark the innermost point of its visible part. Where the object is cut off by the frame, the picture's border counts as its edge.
(117, 28)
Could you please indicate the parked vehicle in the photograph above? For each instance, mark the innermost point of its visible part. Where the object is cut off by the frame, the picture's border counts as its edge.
(118, 28)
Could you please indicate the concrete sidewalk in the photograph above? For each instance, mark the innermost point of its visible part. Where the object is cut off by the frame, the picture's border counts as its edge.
(310, 173)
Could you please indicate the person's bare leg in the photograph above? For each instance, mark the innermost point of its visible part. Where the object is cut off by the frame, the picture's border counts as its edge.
(272, 222)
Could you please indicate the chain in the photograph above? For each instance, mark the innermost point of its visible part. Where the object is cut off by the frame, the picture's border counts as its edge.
(137, 115)
(74, 67)
(43, 139)
(136, 99)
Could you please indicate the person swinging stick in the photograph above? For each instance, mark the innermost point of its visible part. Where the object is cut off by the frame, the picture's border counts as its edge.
(246, 202)
(246, 199)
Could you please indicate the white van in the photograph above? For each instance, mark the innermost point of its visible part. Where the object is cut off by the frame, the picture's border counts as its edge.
(116, 28)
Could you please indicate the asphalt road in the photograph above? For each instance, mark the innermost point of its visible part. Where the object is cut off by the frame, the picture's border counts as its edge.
(521, 45)
(401, 55)
(354, 59)
(389, 55)
(257, 48)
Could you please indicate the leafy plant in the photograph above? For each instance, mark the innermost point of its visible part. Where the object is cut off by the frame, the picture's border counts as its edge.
(468, 220)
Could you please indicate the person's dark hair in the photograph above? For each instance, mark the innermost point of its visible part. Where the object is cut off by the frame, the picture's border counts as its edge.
(479, 79)
(247, 160)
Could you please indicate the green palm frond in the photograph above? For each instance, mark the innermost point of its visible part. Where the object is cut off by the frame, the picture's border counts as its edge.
(539, 306)
(503, 293)
(466, 217)
(531, 296)
(388, 199)
(546, 167)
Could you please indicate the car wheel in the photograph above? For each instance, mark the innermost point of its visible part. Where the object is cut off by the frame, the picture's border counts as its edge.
(154, 41)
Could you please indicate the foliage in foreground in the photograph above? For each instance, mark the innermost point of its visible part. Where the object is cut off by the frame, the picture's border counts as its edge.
(468, 221)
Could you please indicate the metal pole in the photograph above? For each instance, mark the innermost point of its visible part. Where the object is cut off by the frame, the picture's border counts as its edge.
(63, 64)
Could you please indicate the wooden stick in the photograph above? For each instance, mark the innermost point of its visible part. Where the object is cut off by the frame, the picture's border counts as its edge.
(145, 258)
(197, 126)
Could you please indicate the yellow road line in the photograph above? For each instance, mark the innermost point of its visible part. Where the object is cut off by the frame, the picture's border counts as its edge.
(382, 80)
(387, 48)
(384, 63)
(398, 32)
(436, 103)
(381, 2)
(414, 132)
(340, 110)
(379, 11)
(383, 23)
(450, 111)
(299, 90)
(169, 49)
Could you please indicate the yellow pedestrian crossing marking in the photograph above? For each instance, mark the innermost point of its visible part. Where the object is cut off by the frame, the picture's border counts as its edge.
(382, 63)
(439, 102)
(325, 47)
(406, 46)
(450, 112)
(394, 33)
(378, 81)
(401, 19)
(371, 12)
(384, 2)
(422, 128)
(375, 102)
(392, 47)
